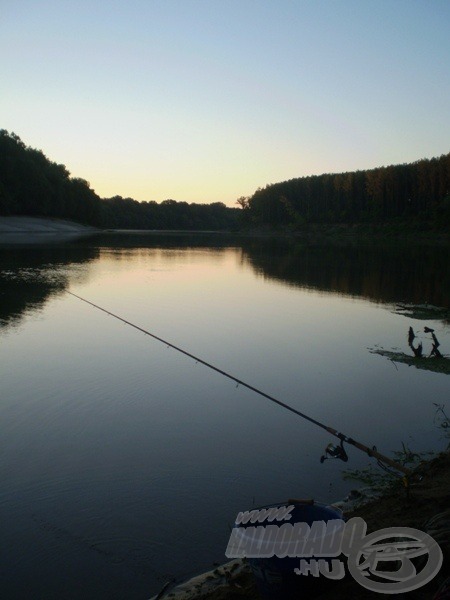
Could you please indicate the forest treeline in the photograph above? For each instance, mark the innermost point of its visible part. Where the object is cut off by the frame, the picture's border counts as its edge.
(31, 184)
(419, 192)
(415, 192)
(126, 213)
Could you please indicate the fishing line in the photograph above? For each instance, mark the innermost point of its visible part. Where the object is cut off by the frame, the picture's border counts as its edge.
(331, 450)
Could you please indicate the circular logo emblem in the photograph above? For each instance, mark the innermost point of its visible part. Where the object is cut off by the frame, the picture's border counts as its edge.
(382, 561)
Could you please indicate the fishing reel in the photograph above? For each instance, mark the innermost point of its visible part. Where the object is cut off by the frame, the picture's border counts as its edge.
(332, 451)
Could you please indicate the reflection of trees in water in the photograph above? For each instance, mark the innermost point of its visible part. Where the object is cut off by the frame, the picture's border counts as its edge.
(154, 244)
(400, 273)
(404, 273)
(29, 276)
(169, 240)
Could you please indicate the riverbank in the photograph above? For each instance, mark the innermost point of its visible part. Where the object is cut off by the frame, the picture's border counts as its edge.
(32, 230)
(428, 497)
(418, 232)
(313, 232)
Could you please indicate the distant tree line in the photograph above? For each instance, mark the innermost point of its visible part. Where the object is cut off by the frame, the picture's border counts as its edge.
(118, 212)
(407, 192)
(31, 184)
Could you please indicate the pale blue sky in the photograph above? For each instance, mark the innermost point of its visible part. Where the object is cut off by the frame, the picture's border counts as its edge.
(206, 100)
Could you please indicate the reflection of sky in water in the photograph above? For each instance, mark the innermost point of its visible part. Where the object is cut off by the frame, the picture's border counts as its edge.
(114, 444)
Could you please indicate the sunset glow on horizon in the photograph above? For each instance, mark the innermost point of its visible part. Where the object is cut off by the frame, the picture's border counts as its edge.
(207, 101)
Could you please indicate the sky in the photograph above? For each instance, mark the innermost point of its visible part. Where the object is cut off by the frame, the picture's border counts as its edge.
(207, 100)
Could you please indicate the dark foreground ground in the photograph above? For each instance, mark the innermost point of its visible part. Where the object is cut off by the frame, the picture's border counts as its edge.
(427, 498)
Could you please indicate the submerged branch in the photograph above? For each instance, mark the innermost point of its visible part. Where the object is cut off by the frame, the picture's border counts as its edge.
(437, 364)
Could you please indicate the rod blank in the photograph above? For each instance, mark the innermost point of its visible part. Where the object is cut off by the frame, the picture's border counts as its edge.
(370, 452)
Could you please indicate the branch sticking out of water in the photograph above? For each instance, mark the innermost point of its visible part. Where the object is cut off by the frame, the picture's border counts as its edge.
(435, 361)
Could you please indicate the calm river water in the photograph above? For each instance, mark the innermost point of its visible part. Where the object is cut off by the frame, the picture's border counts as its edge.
(123, 462)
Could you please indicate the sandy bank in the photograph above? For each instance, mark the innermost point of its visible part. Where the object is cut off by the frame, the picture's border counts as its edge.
(38, 230)
(39, 225)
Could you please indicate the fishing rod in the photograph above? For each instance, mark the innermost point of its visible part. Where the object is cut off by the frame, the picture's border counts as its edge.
(331, 450)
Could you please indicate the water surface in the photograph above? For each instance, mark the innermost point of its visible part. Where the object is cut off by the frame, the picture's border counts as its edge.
(123, 462)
